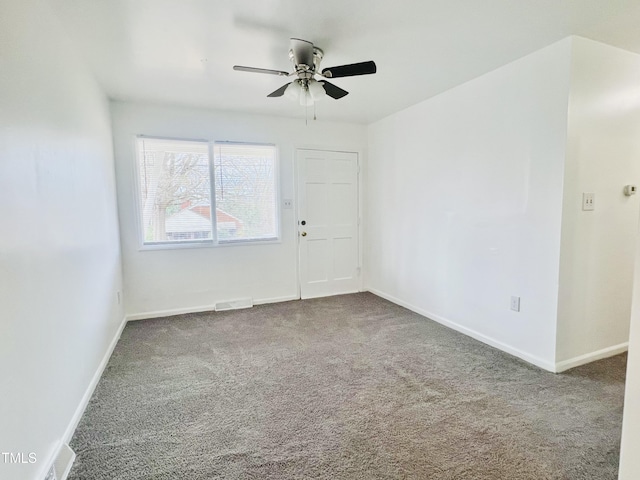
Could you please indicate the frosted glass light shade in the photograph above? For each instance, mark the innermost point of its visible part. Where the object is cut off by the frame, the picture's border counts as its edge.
(292, 92)
(316, 90)
(306, 100)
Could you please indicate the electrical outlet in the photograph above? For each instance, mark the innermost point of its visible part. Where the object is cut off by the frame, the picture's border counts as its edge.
(287, 203)
(515, 304)
(588, 201)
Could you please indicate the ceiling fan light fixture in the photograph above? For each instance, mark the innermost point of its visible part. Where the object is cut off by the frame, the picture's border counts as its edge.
(293, 91)
(305, 89)
(306, 100)
(316, 90)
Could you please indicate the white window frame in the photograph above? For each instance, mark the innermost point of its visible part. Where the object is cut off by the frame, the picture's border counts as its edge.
(213, 242)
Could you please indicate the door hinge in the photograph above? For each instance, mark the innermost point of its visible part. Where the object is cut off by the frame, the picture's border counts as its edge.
(358, 221)
(359, 271)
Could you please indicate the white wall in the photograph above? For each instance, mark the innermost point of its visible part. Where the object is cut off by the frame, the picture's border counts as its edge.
(59, 248)
(629, 458)
(598, 247)
(161, 281)
(464, 198)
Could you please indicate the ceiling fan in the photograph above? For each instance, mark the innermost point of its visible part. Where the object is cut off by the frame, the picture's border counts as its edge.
(306, 59)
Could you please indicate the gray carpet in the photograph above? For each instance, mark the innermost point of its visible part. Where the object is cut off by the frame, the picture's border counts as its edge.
(348, 387)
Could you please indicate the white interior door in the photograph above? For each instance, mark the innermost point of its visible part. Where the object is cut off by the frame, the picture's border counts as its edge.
(328, 222)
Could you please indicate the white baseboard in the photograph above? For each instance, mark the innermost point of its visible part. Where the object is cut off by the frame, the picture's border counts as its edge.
(201, 308)
(287, 298)
(62, 456)
(537, 361)
(591, 357)
(73, 424)
(170, 312)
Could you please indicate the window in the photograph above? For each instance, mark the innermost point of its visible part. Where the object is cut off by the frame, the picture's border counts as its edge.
(187, 197)
(245, 191)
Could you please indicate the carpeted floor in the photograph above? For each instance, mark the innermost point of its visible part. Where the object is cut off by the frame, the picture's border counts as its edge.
(348, 387)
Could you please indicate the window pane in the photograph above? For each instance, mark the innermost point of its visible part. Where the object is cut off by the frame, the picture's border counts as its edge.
(245, 181)
(175, 191)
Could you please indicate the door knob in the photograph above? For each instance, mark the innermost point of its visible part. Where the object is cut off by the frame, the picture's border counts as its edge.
(304, 234)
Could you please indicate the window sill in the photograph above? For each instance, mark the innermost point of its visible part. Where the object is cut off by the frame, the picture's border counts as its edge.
(206, 244)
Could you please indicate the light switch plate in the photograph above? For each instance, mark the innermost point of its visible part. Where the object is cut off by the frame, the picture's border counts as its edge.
(588, 201)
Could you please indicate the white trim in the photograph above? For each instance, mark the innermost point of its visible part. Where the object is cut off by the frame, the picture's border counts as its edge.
(202, 308)
(170, 312)
(326, 295)
(330, 148)
(287, 298)
(591, 357)
(179, 139)
(150, 247)
(537, 361)
(75, 419)
(296, 219)
(213, 204)
(360, 184)
(73, 424)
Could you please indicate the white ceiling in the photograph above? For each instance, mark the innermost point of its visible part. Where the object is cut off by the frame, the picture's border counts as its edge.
(182, 51)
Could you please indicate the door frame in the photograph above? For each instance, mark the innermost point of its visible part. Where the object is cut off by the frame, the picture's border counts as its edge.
(296, 172)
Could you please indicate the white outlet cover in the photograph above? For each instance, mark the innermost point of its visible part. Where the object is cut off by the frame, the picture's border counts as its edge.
(515, 304)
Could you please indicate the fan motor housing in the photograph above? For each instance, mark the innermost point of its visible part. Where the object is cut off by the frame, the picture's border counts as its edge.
(308, 71)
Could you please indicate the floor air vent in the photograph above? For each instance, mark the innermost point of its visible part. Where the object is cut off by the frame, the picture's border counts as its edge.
(61, 464)
(51, 474)
(234, 304)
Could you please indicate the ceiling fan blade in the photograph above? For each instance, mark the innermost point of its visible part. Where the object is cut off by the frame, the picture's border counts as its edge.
(332, 90)
(240, 68)
(351, 70)
(302, 52)
(279, 92)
